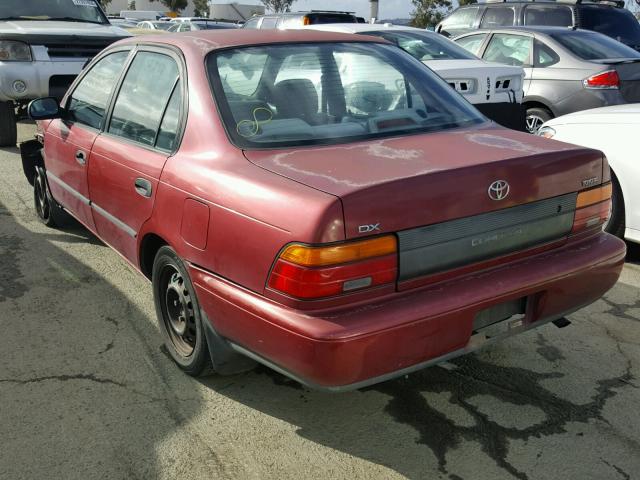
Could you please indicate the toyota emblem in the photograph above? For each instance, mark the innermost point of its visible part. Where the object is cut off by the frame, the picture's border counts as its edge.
(499, 190)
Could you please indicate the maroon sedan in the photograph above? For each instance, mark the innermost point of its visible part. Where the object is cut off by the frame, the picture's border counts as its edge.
(320, 203)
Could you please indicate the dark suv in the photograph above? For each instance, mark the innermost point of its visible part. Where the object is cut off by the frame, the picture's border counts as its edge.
(299, 19)
(607, 17)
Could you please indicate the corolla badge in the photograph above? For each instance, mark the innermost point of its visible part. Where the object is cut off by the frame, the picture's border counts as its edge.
(499, 190)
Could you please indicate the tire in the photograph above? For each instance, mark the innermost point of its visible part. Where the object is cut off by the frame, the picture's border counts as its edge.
(47, 209)
(8, 125)
(616, 223)
(536, 117)
(179, 314)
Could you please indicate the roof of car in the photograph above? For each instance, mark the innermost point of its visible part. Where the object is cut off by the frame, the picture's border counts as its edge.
(360, 27)
(227, 38)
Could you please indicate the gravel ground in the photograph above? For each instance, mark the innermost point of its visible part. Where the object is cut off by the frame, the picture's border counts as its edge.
(86, 390)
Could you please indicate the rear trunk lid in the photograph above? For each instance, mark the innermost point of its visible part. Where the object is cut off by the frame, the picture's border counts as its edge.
(433, 190)
(629, 73)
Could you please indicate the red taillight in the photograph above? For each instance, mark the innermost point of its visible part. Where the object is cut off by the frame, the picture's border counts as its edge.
(308, 272)
(604, 80)
(593, 208)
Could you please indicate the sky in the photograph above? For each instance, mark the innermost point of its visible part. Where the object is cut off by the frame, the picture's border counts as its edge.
(388, 8)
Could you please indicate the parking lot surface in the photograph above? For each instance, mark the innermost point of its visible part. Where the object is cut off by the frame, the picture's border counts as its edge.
(86, 390)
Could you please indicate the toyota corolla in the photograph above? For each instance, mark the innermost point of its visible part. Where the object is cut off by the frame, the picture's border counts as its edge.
(341, 225)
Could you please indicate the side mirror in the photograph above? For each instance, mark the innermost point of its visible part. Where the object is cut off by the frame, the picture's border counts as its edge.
(44, 109)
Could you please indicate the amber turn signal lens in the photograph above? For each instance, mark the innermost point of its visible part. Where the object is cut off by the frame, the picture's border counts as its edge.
(593, 196)
(338, 254)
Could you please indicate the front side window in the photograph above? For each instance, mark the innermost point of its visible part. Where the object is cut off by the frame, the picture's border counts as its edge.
(282, 95)
(252, 24)
(425, 46)
(509, 49)
(269, 22)
(145, 92)
(39, 10)
(498, 17)
(472, 43)
(548, 15)
(88, 102)
(593, 46)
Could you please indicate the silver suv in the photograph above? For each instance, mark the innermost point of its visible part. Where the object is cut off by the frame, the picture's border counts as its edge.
(43, 47)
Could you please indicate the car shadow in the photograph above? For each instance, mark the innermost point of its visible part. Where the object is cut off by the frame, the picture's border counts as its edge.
(633, 253)
(86, 390)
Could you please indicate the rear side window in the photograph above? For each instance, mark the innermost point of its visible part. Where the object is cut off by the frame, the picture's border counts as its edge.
(143, 97)
(472, 43)
(544, 56)
(617, 23)
(593, 46)
(88, 102)
(498, 17)
(509, 49)
(168, 133)
(548, 15)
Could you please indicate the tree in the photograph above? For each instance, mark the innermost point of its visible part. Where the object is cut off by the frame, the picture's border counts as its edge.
(132, 5)
(278, 6)
(466, 2)
(428, 13)
(201, 8)
(174, 5)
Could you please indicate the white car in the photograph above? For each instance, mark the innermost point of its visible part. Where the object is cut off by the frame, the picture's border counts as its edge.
(494, 89)
(150, 25)
(612, 130)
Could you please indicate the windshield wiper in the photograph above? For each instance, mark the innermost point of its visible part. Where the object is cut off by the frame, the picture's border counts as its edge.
(74, 19)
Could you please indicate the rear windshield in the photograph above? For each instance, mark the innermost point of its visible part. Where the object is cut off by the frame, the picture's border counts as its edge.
(308, 94)
(617, 23)
(425, 46)
(68, 10)
(592, 46)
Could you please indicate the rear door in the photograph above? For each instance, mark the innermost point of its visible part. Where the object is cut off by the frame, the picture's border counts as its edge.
(69, 140)
(512, 49)
(128, 158)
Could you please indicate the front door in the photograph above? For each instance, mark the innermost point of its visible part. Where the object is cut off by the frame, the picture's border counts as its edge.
(69, 140)
(128, 158)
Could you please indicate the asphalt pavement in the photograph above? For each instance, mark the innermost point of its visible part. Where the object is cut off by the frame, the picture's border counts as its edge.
(87, 391)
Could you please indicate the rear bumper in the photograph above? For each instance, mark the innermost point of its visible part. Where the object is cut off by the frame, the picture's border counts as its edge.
(360, 345)
(507, 114)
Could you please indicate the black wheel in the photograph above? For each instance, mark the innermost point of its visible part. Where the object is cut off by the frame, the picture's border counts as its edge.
(536, 117)
(615, 225)
(8, 125)
(179, 315)
(47, 209)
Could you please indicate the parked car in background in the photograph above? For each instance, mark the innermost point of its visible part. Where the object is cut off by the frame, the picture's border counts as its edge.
(566, 70)
(494, 89)
(196, 25)
(607, 17)
(342, 237)
(149, 25)
(43, 46)
(299, 19)
(612, 130)
(140, 15)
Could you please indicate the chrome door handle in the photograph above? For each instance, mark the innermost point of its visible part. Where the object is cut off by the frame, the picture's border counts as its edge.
(143, 187)
(81, 157)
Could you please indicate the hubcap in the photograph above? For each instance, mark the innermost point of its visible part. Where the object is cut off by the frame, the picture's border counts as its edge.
(178, 312)
(534, 123)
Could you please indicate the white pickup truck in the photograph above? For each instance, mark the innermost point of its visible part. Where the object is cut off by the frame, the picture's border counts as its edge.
(43, 47)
